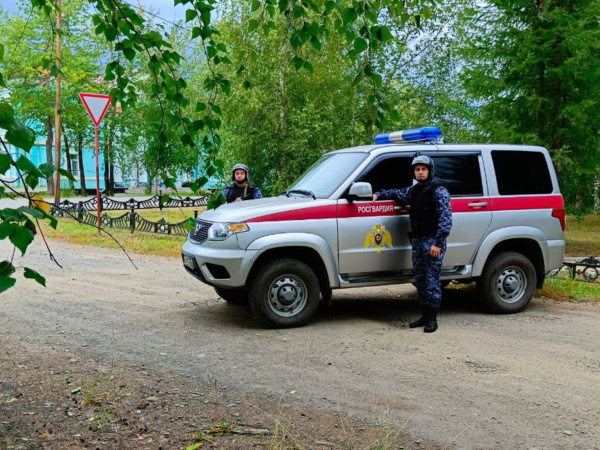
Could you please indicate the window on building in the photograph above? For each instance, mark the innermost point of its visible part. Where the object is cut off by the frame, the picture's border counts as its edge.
(75, 164)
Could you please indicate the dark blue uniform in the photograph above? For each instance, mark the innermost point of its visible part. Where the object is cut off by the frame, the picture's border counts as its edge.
(427, 269)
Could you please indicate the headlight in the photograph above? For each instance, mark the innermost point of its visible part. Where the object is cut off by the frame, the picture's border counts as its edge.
(221, 231)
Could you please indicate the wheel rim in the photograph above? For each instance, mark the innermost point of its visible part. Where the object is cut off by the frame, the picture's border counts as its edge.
(511, 285)
(287, 296)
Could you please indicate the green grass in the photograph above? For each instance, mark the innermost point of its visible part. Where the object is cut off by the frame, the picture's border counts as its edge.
(582, 237)
(69, 230)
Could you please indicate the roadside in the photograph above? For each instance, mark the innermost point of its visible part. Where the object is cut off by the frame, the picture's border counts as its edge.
(58, 399)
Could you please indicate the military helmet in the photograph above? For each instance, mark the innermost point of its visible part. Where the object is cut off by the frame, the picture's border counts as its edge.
(243, 167)
(425, 160)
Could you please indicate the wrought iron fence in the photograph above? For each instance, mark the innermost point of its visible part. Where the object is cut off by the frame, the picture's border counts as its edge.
(131, 220)
(110, 204)
(586, 269)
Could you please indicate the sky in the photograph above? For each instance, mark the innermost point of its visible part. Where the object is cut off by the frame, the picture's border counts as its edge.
(161, 8)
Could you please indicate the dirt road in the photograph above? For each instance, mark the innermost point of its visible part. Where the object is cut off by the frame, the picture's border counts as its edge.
(524, 381)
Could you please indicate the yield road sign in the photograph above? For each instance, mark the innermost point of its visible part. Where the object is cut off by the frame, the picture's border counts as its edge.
(96, 105)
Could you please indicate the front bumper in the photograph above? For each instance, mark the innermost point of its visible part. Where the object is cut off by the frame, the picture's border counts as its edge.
(217, 263)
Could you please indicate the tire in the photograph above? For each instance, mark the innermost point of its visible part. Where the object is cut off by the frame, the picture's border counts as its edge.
(235, 296)
(284, 293)
(507, 283)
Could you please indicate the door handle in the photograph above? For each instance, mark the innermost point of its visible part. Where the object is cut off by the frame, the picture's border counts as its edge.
(478, 205)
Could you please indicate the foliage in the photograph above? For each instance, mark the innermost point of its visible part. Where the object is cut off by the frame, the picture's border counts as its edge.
(533, 69)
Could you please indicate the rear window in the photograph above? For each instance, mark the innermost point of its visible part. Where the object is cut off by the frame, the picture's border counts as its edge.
(521, 172)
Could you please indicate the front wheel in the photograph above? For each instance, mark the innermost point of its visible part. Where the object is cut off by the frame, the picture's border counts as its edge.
(284, 293)
(507, 282)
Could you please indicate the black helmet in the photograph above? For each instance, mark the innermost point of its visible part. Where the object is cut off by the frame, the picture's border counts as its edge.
(425, 160)
(243, 167)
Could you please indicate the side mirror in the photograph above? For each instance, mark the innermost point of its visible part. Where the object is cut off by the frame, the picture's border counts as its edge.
(361, 190)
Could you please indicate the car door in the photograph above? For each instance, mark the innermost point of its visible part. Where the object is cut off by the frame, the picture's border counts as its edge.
(372, 236)
(462, 174)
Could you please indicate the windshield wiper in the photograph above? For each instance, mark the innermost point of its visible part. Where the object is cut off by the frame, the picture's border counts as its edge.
(300, 191)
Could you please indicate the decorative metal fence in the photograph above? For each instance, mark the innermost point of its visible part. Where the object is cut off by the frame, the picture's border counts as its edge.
(110, 204)
(586, 269)
(131, 220)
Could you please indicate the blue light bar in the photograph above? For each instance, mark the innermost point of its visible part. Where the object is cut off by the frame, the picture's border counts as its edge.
(413, 135)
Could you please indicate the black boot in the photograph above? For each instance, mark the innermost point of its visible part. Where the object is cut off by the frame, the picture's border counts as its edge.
(431, 324)
(422, 321)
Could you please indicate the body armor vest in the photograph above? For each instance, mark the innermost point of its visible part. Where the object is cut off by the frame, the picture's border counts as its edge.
(423, 211)
(246, 192)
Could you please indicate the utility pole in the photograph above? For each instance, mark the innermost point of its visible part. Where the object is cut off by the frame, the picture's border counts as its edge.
(57, 126)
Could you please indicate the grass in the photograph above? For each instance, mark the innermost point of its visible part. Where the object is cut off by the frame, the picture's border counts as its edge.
(582, 238)
(69, 230)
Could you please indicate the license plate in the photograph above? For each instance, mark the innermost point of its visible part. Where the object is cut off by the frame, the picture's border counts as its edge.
(188, 261)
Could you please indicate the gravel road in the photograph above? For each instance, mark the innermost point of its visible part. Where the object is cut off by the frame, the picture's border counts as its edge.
(524, 381)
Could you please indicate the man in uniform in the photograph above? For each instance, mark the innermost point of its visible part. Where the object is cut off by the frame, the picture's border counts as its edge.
(240, 190)
(430, 224)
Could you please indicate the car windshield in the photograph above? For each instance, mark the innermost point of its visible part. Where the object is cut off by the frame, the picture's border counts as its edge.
(327, 174)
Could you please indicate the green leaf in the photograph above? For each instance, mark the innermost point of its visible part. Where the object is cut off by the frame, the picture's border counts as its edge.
(298, 62)
(255, 5)
(129, 53)
(24, 165)
(4, 163)
(190, 14)
(315, 43)
(46, 169)
(21, 237)
(32, 274)
(110, 33)
(196, 31)
(6, 269)
(6, 283)
(360, 45)
(7, 114)
(1, 52)
(252, 25)
(190, 224)
(20, 136)
(349, 15)
(308, 66)
(200, 106)
(67, 174)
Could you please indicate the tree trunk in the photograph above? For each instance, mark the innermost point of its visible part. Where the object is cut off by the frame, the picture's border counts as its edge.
(68, 156)
(49, 145)
(80, 158)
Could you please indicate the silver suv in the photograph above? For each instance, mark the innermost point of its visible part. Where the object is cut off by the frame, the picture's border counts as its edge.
(285, 254)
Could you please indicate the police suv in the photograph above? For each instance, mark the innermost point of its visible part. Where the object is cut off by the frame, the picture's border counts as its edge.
(282, 254)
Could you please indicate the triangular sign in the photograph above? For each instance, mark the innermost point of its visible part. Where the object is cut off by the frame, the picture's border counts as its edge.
(96, 105)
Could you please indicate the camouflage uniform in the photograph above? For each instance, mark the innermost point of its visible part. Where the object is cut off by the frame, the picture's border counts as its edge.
(427, 269)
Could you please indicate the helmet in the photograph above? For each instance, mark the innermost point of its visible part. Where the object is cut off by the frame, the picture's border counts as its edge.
(243, 167)
(425, 160)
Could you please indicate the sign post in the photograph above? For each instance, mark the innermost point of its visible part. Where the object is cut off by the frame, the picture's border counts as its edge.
(96, 106)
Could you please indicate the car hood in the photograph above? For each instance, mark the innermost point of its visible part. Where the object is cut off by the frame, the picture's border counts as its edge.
(255, 209)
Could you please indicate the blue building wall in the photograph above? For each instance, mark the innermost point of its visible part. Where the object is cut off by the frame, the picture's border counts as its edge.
(37, 155)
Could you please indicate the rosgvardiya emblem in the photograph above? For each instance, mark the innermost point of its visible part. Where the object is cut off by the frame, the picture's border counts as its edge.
(378, 238)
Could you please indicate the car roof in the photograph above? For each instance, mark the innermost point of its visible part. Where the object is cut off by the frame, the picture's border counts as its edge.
(424, 147)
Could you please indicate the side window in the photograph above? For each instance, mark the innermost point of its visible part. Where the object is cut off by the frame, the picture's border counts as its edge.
(521, 172)
(460, 174)
(389, 173)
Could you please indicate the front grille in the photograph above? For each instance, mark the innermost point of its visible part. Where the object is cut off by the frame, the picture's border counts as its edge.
(200, 234)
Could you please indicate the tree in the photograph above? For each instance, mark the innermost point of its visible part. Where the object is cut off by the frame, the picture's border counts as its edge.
(534, 70)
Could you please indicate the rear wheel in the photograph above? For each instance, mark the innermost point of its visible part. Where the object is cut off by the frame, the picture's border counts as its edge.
(507, 282)
(237, 296)
(284, 293)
